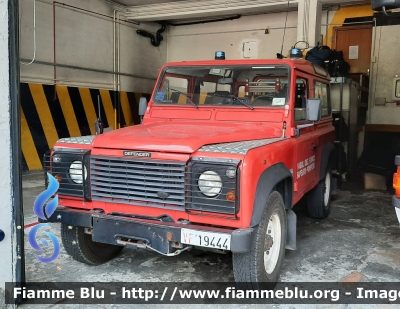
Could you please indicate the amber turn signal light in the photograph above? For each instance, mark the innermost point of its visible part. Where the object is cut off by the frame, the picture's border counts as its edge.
(58, 177)
(230, 196)
(396, 182)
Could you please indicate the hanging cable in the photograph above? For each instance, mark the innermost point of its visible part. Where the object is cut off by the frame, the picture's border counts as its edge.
(34, 35)
(284, 31)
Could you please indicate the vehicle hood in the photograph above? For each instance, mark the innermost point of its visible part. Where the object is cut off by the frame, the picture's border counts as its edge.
(182, 137)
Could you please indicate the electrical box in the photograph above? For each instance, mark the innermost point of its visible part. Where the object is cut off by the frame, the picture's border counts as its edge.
(250, 49)
(396, 89)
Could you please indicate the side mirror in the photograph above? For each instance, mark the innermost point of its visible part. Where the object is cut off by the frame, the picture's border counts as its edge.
(142, 107)
(314, 109)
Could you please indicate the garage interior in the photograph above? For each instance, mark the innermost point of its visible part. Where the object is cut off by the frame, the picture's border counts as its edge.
(77, 53)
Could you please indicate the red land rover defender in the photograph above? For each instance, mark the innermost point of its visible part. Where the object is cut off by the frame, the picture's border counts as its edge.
(225, 149)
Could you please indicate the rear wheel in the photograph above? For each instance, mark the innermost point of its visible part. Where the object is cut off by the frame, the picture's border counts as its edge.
(319, 198)
(264, 261)
(82, 248)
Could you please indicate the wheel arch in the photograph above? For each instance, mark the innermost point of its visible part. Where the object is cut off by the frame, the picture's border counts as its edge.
(326, 157)
(276, 178)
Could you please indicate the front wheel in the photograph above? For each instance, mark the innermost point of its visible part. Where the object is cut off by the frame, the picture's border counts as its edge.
(82, 248)
(319, 198)
(264, 261)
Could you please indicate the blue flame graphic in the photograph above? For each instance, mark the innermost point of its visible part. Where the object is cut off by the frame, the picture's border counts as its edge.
(35, 245)
(44, 196)
(44, 213)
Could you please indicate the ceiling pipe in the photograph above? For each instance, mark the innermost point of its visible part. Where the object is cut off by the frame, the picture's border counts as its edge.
(95, 13)
(155, 40)
(204, 21)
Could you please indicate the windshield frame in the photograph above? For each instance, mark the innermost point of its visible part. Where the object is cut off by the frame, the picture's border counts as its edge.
(160, 95)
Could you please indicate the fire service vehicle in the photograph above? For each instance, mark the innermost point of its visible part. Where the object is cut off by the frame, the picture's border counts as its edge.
(224, 151)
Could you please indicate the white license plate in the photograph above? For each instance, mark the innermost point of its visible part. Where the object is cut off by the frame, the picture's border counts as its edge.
(206, 239)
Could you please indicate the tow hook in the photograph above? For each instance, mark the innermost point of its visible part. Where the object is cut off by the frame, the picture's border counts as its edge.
(177, 252)
(146, 246)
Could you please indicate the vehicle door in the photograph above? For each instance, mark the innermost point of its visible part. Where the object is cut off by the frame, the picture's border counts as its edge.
(323, 129)
(304, 168)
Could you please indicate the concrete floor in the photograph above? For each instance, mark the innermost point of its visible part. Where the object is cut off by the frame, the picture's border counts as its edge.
(361, 235)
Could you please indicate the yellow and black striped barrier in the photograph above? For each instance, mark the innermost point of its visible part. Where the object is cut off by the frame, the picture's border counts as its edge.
(49, 113)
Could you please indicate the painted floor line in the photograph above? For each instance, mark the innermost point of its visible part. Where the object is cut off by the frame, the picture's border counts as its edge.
(30, 225)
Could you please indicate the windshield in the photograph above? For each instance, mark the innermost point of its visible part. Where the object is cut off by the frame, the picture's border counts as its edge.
(251, 86)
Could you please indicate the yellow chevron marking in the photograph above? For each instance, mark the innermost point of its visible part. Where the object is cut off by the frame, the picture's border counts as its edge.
(126, 109)
(202, 98)
(28, 146)
(46, 119)
(182, 99)
(108, 107)
(68, 111)
(89, 108)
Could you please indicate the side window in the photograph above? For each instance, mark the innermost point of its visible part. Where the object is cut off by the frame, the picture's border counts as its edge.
(322, 93)
(300, 98)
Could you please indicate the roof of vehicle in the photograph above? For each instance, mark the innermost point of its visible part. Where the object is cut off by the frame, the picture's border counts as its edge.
(298, 63)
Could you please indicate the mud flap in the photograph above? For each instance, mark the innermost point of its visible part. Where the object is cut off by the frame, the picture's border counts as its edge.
(291, 219)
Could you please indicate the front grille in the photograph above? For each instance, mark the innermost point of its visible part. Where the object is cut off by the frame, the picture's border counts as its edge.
(138, 182)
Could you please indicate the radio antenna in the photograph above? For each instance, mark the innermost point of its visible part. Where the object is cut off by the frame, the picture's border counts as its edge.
(284, 29)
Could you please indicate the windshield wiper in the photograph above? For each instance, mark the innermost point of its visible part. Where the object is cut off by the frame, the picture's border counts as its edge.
(241, 101)
(189, 99)
(232, 96)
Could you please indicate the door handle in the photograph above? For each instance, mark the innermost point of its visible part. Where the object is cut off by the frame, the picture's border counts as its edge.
(313, 147)
(2, 235)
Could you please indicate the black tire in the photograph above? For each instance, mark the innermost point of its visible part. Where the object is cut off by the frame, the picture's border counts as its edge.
(319, 198)
(248, 268)
(80, 246)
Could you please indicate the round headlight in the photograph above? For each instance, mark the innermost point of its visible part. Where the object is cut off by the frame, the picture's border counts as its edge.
(75, 171)
(210, 183)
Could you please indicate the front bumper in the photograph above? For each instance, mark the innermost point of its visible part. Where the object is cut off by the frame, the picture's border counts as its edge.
(163, 237)
(396, 204)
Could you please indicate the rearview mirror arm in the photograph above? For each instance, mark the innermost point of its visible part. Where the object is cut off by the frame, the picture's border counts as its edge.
(301, 126)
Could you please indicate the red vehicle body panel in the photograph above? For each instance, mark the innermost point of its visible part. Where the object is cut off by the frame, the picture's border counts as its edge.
(182, 137)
